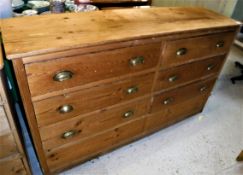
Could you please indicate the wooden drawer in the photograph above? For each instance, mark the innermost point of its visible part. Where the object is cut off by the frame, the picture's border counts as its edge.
(12, 167)
(84, 101)
(183, 74)
(66, 156)
(7, 145)
(186, 50)
(174, 113)
(166, 99)
(85, 126)
(83, 69)
(4, 125)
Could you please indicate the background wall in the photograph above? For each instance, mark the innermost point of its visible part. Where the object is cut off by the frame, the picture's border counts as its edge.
(238, 13)
(225, 7)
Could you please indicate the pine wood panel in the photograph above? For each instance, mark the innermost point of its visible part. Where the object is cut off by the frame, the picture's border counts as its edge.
(174, 113)
(67, 31)
(180, 75)
(90, 67)
(7, 145)
(181, 94)
(91, 99)
(12, 167)
(3, 122)
(123, 44)
(64, 156)
(197, 48)
(88, 125)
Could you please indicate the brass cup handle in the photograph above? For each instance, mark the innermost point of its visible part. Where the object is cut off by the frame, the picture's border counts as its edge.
(132, 90)
(173, 78)
(62, 76)
(128, 114)
(168, 101)
(203, 88)
(69, 134)
(136, 61)
(65, 109)
(181, 52)
(210, 67)
(220, 44)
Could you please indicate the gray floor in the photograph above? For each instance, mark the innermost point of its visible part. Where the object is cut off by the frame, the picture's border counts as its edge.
(205, 144)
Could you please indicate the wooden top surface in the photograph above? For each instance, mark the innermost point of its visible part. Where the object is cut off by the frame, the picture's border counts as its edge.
(35, 35)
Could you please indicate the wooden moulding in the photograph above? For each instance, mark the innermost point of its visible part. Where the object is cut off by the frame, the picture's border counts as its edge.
(28, 106)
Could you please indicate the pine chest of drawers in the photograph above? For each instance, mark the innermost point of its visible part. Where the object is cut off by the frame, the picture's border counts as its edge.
(94, 81)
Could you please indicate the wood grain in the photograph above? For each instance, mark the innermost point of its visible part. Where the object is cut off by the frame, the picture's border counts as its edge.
(174, 113)
(91, 99)
(97, 49)
(28, 106)
(90, 67)
(7, 145)
(12, 167)
(123, 44)
(11, 145)
(67, 31)
(64, 156)
(88, 125)
(5, 128)
(188, 72)
(197, 48)
(181, 94)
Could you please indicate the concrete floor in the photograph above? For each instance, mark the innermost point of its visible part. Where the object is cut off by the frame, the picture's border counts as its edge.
(205, 144)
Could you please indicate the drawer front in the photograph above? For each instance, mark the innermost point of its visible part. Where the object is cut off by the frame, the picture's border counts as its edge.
(186, 50)
(174, 113)
(7, 145)
(4, 125)
(12, 167)
(70, 105)
(63, 73)
(189, 72)
(84, 126)
(80, 151)
(178, 95)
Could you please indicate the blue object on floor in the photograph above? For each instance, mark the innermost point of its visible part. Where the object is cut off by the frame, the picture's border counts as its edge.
(33, 161)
